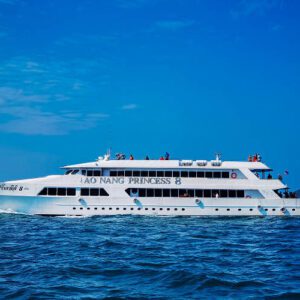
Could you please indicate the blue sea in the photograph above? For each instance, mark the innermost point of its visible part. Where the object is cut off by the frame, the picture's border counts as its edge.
(133, 257)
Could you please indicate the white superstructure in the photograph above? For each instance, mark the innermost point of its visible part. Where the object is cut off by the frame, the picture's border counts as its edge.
(152, 187)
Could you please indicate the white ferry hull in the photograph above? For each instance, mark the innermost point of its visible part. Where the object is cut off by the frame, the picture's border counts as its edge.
(70, 206)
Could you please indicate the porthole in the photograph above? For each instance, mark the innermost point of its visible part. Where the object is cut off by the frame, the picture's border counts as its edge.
(228, 209)
(273, 209)
(139, 208)
(168, 208)
(153, 208)
(239, 209)
(183, 209)
(175, 208)
(81, 208)
(74, 208)
(95, 208)
(293, 209)
(110, 208)
(160, 209)
(131, 208)
(124, 208)
(216, 209)
(251, 209)
(118, 208)
(103, 208)
(88, 208)
(266, 209)
(146, 208)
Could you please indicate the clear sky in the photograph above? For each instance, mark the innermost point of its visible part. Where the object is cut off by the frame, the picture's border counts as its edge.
(189, 77)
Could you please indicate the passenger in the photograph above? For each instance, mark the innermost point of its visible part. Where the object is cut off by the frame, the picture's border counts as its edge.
(286, 194)
(131, 157)
(147, 158)
(255, 158)
(161, 158)
(280, 177)
(250, 158)
(167, 156)
(259, 158)
(270, 176)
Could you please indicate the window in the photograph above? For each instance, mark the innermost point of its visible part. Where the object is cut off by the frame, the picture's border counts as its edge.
(168, 173)
(89, 173)
(215, 193)
(160, 174)
(94, 192)
(158, 193)
(184, 174)
(128, 173)
(207, 193)
(97, 173)
(208, 174)
(217, 174)
(199, 193)
(136, 173)
(192, 174)
(191, 193)
(68, 172)
(121, 173)
(241, 194)
(232, 194)
(83, 172)
(200, 174)
(183, 193)
(223, 193)
(225, 174)
(103, 192)
(176, 174)
(152, 173)
(174, 193)
(142, 192)
(166, 193)
(144, 173)
(52, 191)
(75, 172)
(43, 192)
(85, 192)
(113, 173)
(150, 193)
(61, 192)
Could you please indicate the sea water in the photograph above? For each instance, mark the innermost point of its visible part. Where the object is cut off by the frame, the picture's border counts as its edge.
(133, 257)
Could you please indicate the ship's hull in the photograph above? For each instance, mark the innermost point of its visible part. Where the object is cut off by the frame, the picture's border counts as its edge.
(71, 206)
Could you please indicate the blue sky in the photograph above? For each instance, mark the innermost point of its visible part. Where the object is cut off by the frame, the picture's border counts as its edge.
(189, 77)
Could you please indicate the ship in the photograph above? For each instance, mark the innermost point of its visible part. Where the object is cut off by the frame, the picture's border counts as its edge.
(162, 187)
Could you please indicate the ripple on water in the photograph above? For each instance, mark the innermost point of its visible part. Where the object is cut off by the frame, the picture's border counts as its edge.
(129, 257)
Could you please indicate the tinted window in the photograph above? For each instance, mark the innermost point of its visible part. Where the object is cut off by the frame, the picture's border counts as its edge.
(200, 174)
(113, 173)
(174, 193)
(94, 192)
(217, 174)
(168, 173)
(121, 173)
(166, 193)
(160, 174)
(83, 172)
(150, 193)
(144, 173)
(199, 193)
(158, 192)
(89, 173)
(97, 173)
(207, 193)
(176, 174)
(71, 192)
(152, 173)
(223, 193)
(142, 192)
(240, 194)
(136, 173)
(43, 191)
(184, 174)
(61, 192)
(103, 192)
(193, 174)
(225, 174)
(232, 194)
(208, 174)
(52, 191)
(68, 172)
(183, 193)
(191, 193)
(84, 192)
(215, 193)
(128, 173)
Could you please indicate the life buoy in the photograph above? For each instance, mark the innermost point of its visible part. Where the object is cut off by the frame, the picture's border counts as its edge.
(233, 175)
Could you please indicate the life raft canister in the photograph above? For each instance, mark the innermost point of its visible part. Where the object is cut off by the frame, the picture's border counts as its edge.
(233, 175)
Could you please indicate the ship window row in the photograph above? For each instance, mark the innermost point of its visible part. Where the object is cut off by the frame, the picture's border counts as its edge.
(53, 191)
(93, 192)
(89, 173)
(135, 192)
(153, 173)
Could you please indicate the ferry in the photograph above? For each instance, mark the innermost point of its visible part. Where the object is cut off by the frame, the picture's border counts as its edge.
(161, 187)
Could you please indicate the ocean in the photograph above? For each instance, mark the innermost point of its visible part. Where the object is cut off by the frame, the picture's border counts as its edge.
(134, 257)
